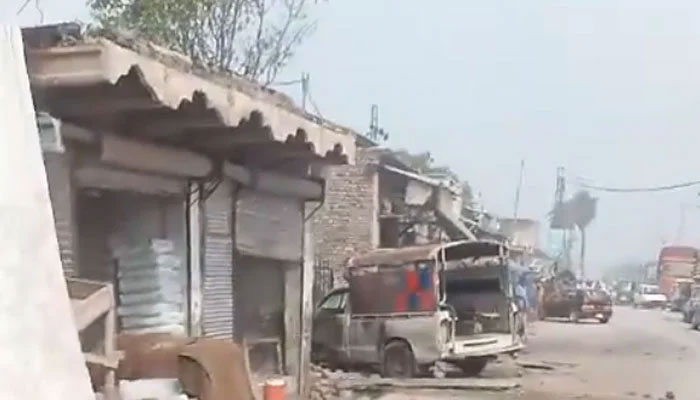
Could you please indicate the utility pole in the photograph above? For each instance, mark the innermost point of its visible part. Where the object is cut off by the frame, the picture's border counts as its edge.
(304, 89)
(518, 188)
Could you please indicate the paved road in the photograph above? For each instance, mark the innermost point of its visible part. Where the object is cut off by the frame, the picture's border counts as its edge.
(639, 354)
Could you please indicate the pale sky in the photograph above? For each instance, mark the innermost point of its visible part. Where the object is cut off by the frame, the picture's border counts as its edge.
(608, 89)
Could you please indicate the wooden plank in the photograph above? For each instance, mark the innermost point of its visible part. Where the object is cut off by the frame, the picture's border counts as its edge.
(274, 183)
(86, 311)
(110, 361)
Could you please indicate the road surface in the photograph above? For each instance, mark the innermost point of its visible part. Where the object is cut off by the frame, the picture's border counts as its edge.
(639, 354)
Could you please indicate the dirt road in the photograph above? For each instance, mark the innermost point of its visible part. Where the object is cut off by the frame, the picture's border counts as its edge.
(639, 354)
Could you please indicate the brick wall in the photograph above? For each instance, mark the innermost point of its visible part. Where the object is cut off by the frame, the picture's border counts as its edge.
(347, 222)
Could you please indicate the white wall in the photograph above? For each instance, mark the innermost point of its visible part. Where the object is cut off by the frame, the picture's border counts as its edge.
(40, 354)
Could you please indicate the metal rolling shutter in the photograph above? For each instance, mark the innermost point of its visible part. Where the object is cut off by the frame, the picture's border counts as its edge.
(60, 191)
(217, 285)
(268, 226)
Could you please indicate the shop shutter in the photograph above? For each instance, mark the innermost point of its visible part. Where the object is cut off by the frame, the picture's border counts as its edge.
(60, 191)
(217, 285)
(268, 226)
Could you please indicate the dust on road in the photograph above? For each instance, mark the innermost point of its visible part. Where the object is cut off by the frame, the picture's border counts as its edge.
(639, 354)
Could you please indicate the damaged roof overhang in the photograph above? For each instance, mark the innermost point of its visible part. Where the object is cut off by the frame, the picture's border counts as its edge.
(139, 90)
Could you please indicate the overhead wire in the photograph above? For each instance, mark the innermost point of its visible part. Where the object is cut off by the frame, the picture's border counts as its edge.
(636, 189)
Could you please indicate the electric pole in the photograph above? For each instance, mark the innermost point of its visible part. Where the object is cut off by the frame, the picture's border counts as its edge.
(518, 188)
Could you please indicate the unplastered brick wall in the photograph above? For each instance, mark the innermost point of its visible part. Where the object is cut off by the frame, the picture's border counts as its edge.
(347, 222)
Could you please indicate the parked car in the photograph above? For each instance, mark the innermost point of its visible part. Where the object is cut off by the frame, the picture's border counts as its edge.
(407, 308)
(649, 296)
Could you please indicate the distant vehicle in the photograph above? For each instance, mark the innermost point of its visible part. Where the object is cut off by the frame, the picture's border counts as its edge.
(407, 308)
(680, 294)
(624, 293)
(564, 297)
(675, 263)
(692, 303)
(580, 304)
(649, 296)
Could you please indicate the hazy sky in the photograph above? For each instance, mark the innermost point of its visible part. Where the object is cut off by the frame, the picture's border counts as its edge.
(608, 89)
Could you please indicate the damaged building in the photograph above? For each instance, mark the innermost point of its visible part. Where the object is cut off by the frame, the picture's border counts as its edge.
(146, 152)
(380, 202)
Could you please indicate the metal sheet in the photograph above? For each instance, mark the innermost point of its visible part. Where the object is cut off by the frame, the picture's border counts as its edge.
(61, 192)
(269, 226)
(217, 278)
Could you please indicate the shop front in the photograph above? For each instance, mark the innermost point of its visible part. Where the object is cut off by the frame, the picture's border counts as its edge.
(184, 189)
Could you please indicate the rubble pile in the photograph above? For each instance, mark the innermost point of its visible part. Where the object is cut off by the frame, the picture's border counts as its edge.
(323, 384)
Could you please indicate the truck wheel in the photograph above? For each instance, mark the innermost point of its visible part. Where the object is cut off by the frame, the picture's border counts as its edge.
(604, 320)
(574, 317)
(694, 322)
(398, 360)
(473, 366)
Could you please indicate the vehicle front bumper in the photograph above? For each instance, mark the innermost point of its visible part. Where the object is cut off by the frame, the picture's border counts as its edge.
(481, 345)
(596, 312)
(652, 304)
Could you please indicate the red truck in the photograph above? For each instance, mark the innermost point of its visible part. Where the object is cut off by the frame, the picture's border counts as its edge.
(676, 263)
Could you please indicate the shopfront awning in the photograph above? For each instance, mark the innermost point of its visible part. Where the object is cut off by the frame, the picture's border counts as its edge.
(136, 89)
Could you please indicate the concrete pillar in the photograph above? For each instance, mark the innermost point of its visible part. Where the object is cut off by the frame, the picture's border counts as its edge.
(292, 317)
(307, 305)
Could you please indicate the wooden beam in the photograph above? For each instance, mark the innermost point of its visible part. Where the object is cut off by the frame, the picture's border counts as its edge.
(148, 157)
(111, 179)
(274, 183)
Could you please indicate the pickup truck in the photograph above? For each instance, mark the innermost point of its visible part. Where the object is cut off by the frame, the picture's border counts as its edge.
(405, 309)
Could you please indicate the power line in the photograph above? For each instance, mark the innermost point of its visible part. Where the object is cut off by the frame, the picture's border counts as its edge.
(638, 189)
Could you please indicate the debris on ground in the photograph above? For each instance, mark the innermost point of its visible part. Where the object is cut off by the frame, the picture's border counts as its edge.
(534, 365)
(430, 383)
(323, 386)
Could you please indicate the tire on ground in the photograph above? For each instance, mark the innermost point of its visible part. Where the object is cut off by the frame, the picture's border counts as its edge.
(398, 360)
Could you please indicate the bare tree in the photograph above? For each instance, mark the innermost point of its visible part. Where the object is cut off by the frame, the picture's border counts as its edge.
(254, 38)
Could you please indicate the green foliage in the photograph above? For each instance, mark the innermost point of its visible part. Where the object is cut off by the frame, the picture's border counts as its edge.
(254, 38)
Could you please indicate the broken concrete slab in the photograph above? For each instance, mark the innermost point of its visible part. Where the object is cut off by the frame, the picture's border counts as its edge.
(430, 383)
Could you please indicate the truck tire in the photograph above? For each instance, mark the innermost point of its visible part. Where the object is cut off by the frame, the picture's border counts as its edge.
(695, 321)
(398, 360)
(473, 366)
(604, 320)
